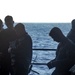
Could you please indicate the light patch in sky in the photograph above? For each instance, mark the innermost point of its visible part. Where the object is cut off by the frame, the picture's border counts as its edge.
(38, 10)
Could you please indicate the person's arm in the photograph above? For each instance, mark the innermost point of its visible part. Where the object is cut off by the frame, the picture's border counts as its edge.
(54, 63)
(61, 62)
(49, 64)
(66, 62)
(28, 49)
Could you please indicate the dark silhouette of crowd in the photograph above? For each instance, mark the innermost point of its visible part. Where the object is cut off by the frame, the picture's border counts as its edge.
(15, 48)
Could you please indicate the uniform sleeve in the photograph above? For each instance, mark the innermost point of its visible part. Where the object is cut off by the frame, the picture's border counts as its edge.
(29, 48)
(65, 58)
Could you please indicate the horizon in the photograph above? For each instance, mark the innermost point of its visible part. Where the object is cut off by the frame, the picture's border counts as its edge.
(43, 11)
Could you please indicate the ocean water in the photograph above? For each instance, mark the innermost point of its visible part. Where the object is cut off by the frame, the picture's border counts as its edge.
(39, 33)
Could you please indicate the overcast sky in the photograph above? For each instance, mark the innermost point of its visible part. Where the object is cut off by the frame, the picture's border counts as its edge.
(46, 11)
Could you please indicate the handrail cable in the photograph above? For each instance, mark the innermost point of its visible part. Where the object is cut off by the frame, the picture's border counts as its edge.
(44, 49)
(36, 57)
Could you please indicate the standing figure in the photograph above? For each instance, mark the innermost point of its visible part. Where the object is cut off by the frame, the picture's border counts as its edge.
(23, 54)
(1, 29)
(8, 38)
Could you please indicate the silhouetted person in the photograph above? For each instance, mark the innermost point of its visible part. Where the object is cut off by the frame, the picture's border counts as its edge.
(23, 54)
(8, 39)
(65, 55)
(71, 34)
(1, 28)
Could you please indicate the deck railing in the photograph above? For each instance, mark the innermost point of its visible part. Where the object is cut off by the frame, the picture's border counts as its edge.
(45, 49)
(39, 62)
(42, 50)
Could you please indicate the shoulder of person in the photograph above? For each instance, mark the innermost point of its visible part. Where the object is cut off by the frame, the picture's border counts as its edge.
(28, 36)
(71, 42)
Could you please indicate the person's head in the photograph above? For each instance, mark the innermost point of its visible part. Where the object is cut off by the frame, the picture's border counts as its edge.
(1, 24)
(73, 24)
(56, 34)
(9, 21)
(20, 29)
